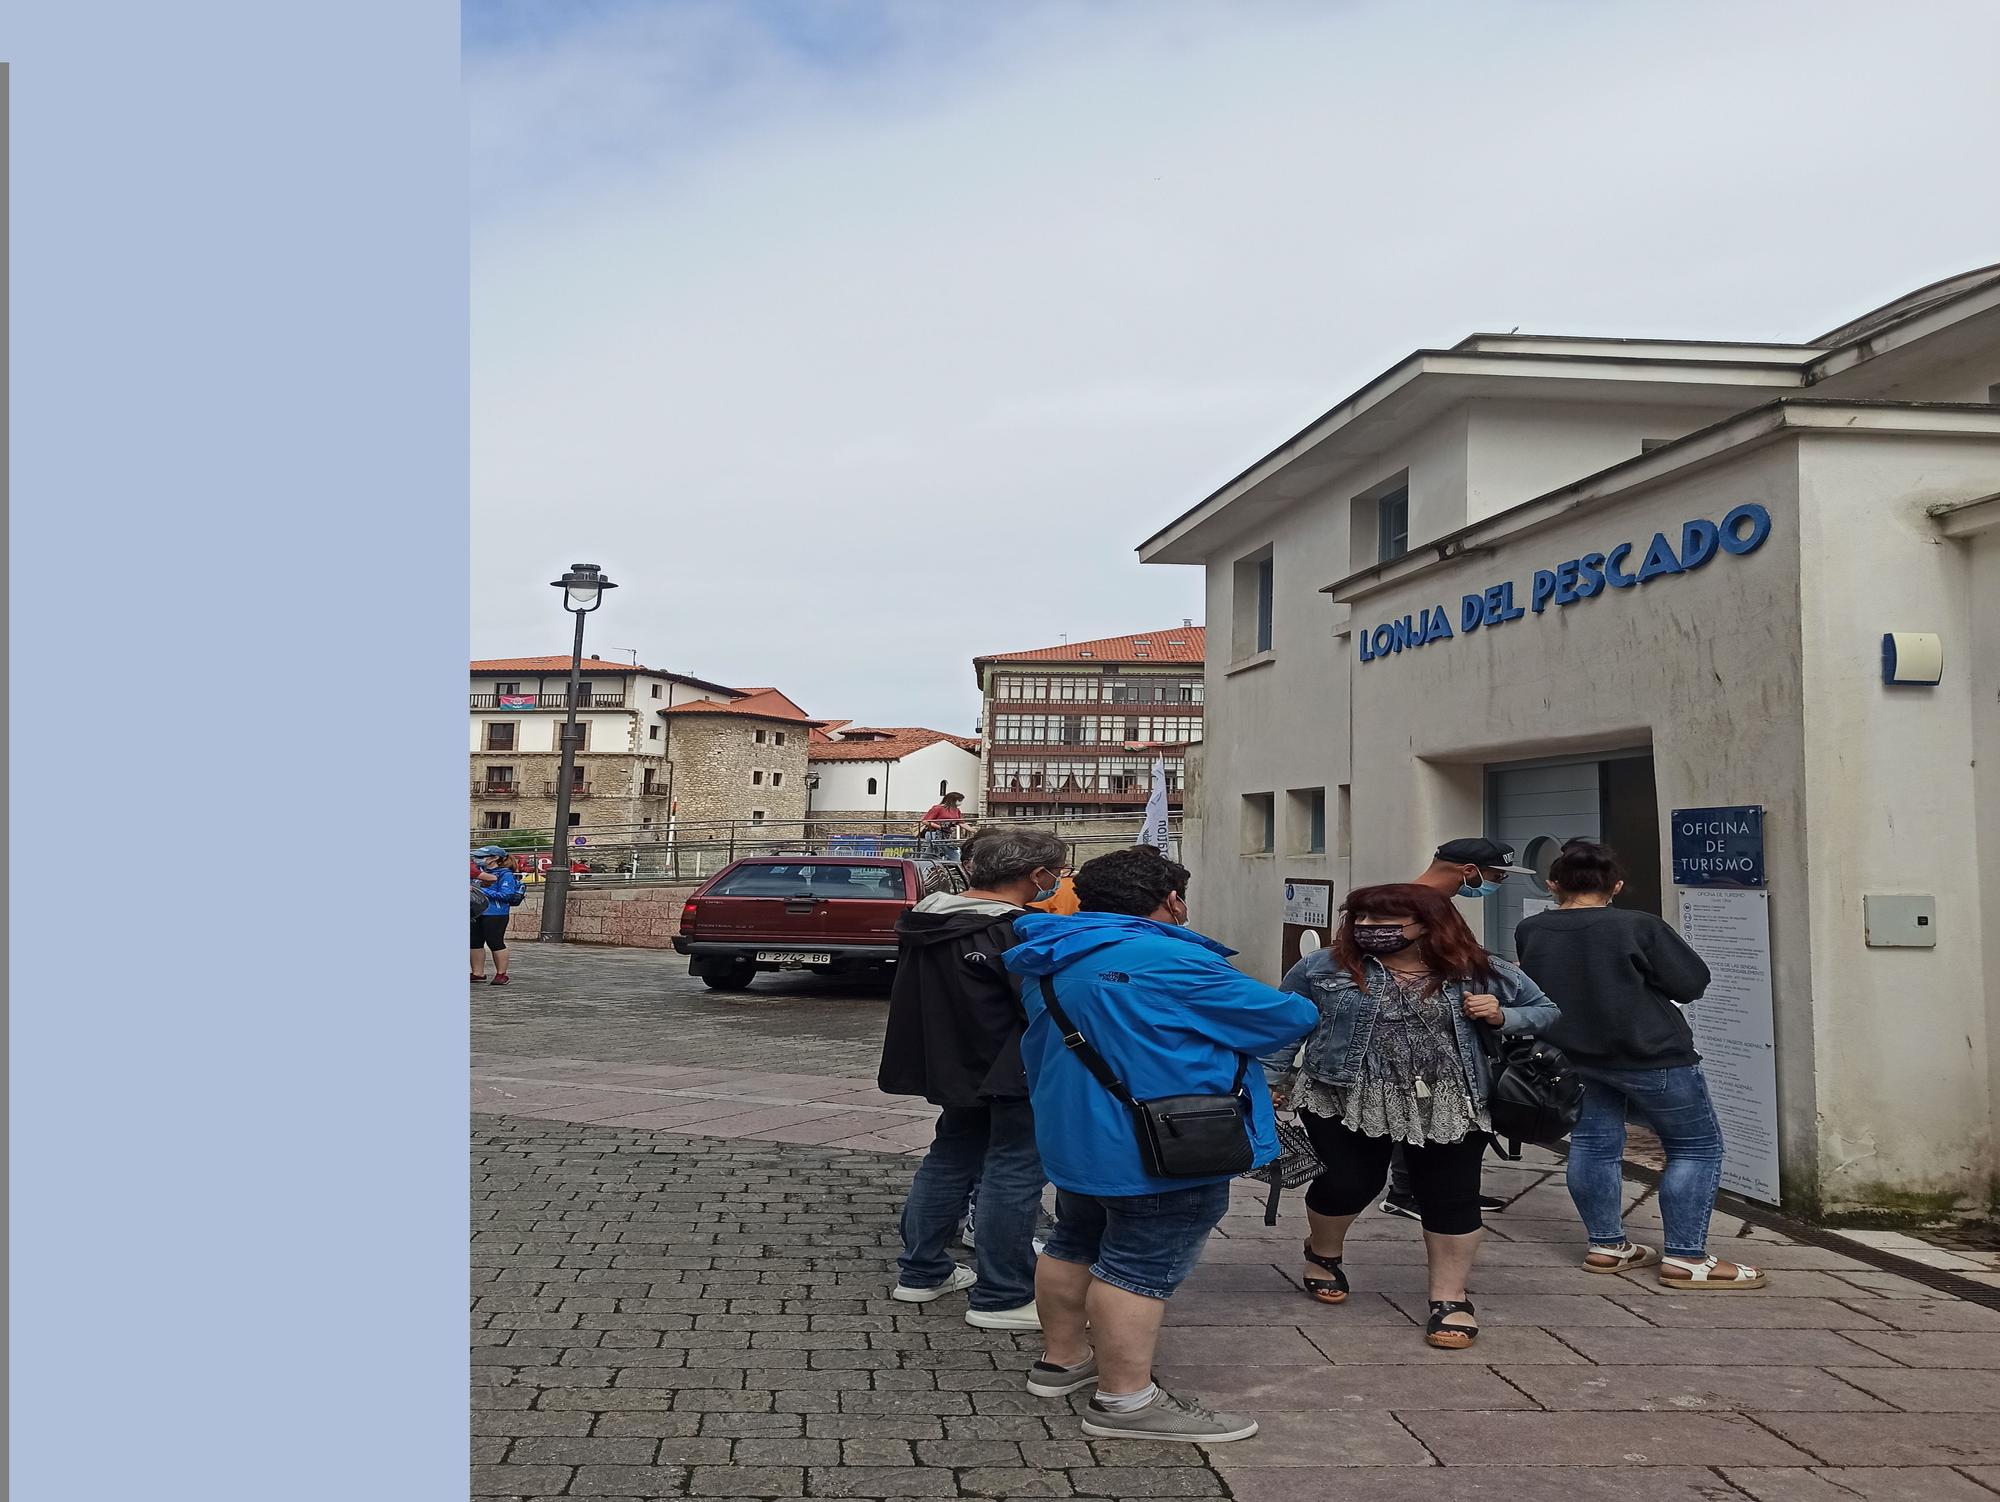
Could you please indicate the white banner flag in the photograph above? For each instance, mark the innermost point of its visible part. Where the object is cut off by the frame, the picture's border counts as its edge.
(1154, 831)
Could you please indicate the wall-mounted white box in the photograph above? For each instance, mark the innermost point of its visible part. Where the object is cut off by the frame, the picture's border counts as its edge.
(1900, 922)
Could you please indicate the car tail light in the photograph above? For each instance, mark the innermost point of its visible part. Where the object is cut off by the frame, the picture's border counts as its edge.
(688, 913)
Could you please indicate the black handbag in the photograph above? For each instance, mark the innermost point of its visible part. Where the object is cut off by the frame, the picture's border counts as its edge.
(1537, 1094)
(1180, 1136)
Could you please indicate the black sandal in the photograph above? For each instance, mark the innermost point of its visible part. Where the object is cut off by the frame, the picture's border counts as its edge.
(1331, 1290)
(1450, 1337)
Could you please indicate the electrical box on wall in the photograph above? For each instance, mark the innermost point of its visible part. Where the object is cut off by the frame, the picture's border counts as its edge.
(1913, 657)
(1900, 922)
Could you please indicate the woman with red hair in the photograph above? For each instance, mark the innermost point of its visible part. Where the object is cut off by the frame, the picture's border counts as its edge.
(1397, 1059)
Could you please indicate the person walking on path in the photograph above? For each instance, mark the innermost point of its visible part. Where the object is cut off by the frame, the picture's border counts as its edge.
(1471, 869)
(495, 871)
(942, 822)
(1168, 1015)
(1623, 977)
(1396, 1059)
(954, 1038)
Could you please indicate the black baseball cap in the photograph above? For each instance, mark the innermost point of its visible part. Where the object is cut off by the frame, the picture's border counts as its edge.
(1488, 855)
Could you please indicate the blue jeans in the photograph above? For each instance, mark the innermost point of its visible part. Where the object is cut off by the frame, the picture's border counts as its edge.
(1675, 1104)
(1143, 1243)
(993, 1147)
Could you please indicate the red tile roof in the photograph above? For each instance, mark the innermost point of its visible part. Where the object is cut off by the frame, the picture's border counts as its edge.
(768, 705)
(590, 665)
(1182, 644)
(898, 742)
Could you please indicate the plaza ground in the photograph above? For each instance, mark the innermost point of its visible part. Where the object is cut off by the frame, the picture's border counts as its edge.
(684, 1211)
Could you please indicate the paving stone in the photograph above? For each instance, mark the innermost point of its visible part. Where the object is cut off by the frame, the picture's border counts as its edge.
(512, 1423)
(1753, 1311)
(1309, 1438)
(882, 1481)
(1548, 1310)
(1721, 1347)
(1141, 1480)
(1328, 1389)
(1373, 1345)
(1675, 1439)
(901, 1426)
(1867, 1484)
(746, 1481)
(1013, 1481)
(1674, 1389)
(583, 1452)
(1480, 1483)
(518, 1480)
(1928, 1390)
(1865, 1439)
(1288, 1306)
(1929, 1348)
(1272, 1345)
(787, 1452)
(876, 1452)
(969, 1452)
(1930, 1314)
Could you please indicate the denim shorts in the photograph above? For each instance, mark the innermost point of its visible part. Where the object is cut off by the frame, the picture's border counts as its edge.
(1143, 1243)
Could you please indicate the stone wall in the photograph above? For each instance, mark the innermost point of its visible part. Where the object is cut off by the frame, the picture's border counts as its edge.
(614, 781)
(638, 917)
(714, 757)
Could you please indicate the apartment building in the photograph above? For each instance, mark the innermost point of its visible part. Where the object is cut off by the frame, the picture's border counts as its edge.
(1073, 730)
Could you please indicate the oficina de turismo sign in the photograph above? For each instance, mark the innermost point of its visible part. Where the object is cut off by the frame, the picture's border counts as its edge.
(1571, 582)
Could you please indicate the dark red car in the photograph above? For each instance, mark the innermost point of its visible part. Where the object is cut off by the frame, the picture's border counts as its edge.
(827, 914)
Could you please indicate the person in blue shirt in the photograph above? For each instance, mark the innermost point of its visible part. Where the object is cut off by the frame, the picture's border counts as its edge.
(495, 868)
(1171, 1016)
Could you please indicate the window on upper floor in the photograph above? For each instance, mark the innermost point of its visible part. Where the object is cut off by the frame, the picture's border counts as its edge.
(777, 737)
(1305, 821)
(758, 737)
(756, 779)
(506, 688)
(1392, 524)
(499, 777)
(1251, 613)
(777, 779)
(656, 691)
(874, 787)
(501, 735)
(652, 732)
(1260, 819)
(500, 819)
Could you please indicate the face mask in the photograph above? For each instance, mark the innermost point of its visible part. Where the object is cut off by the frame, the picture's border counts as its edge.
(1381, 940)
(1484, 889)
(1043, 894)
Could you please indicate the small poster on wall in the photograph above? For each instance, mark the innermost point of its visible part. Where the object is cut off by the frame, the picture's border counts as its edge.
(1308, 916)
(1734, 1031)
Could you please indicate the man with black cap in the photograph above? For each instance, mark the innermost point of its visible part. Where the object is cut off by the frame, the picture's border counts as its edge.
(1473, 869)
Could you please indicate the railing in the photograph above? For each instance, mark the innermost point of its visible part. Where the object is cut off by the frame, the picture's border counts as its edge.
(496, 790)
(588, 699)
(576, 790)
(1133, 795)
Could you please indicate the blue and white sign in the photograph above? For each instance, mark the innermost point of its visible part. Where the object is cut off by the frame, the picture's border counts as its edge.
(1573, 581)
(1718, 847)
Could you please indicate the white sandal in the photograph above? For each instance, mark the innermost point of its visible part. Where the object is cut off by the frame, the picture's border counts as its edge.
(1699, 1276)
(1628, 1256)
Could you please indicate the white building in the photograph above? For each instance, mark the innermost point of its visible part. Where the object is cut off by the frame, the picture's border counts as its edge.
(1540, 587)
(894, 774)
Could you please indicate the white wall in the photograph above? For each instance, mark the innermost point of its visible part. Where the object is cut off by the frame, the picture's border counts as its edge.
(611, 731)
(912, 782)
(1520, 450)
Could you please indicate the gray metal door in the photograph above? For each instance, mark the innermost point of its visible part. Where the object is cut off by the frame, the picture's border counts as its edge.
(1535, 809)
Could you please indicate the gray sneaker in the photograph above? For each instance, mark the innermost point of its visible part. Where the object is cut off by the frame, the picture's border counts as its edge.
(1046, 1381)
(1167, 1417)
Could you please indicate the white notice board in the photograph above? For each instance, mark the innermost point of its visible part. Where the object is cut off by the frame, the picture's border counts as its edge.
(1308, 903)
(1731, 930)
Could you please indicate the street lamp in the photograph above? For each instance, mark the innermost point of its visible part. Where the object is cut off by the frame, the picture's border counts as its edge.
(583, 591)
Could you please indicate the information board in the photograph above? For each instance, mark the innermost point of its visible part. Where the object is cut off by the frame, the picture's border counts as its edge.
(1307, 924)
(1731, 931)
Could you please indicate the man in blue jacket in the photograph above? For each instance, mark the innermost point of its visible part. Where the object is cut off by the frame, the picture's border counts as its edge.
(1170, 1016)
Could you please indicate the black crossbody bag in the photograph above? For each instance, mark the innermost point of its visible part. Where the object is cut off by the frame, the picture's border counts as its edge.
(1180, 1136)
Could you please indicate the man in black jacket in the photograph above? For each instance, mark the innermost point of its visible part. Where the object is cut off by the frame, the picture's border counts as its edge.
(954, 1037)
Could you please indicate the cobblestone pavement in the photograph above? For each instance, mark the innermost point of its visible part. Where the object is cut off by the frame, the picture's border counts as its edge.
(697, 1308)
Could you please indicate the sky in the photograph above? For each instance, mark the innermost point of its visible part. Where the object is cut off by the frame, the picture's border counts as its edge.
(857, 339)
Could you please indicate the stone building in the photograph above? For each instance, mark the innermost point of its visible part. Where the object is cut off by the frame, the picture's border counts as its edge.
(743, 759)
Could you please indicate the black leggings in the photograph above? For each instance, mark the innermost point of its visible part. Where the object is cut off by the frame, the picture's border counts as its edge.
(490, 932)
(1444, 1175)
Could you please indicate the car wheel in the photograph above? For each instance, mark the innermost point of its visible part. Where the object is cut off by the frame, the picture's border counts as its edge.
(735, 978)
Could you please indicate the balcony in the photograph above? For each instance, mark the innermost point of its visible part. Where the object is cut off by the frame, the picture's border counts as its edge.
(588, 699)
(576, 790)
(1126, 797)
(496, 790)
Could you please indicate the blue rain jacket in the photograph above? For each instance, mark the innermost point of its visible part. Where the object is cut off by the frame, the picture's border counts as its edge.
(507, 884)
(1170, 1015)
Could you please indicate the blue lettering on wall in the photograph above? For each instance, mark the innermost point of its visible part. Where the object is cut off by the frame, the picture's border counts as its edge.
(1741, 531)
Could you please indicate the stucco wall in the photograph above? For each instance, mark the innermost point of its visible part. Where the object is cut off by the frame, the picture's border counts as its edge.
(911, 782)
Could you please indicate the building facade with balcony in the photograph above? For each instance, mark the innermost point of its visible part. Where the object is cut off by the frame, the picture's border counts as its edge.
(623, 776)
(1073, 730)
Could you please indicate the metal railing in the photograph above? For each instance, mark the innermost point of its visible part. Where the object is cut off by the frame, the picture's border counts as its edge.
(496, 790)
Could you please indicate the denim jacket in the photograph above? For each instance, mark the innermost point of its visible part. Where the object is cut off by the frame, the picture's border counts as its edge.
(1333, 1050)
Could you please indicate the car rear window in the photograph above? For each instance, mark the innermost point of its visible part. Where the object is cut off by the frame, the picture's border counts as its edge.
(815, 879)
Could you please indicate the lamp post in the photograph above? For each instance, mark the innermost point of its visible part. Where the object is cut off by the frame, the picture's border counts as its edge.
(583, 591)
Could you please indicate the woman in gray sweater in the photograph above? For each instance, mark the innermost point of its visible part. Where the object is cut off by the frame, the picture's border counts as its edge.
(1622, 977)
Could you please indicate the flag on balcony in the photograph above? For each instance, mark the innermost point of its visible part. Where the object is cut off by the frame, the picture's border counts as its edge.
(1154, 831)
(517, 701)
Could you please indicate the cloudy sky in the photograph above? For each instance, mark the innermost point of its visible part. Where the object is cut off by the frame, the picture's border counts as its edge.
(854, 339)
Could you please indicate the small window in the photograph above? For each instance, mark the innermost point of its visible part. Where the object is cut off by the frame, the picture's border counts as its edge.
(756, 779)
(652, 732)
(756, 816)
(1305, 821)
(758, 737)
(1259, 823)
(777, 737)
(501, 734)
(575, 819)
(1647, 445)
(873, 786)
(646, 823)
(646, 779)
(504, 819)
(506, 688)
(1392, 524)
(777, 779)
(944, 786)
(1344, 827)
(656, 691)
(1251, 610)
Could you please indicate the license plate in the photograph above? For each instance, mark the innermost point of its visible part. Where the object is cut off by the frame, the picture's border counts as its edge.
(790, 957)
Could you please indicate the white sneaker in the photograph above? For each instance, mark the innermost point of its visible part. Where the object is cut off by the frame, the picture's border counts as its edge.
(1024, 1318)
(961, 1279)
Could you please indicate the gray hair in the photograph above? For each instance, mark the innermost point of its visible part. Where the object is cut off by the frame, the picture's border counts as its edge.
(996, 856)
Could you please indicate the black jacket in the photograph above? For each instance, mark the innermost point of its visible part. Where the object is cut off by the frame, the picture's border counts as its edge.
(1616, 974)
(955, 1022)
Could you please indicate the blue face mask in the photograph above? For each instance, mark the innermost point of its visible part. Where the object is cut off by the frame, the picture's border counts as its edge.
(1043, 894)
(1484, 889)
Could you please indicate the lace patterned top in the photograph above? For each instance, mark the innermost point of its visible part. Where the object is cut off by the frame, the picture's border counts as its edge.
(1412, 1085)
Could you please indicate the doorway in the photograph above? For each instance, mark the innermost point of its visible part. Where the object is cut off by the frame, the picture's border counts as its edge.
(1536, 806)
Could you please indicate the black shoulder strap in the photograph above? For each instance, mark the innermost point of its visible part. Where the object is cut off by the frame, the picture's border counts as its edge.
(1092, 1060)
